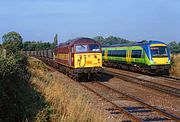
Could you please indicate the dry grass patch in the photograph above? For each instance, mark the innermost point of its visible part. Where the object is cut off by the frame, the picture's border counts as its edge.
(175, 70)
(67, 103)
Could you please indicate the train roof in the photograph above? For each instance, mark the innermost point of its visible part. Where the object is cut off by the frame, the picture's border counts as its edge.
(135, 44)
(82, 40)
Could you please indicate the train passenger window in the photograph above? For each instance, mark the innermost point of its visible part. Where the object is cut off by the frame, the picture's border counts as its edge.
(94, 48)
(109, 53)
(112, 53)
(81, 48)
(136, 53)
(121, 53)
(117, 53)
(103, 53)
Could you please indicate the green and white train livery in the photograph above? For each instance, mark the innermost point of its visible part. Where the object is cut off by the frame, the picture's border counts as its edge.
(153, 56)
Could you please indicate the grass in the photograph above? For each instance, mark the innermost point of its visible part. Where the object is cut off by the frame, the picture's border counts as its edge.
(175, 69)
(19, 101)
(67, 104)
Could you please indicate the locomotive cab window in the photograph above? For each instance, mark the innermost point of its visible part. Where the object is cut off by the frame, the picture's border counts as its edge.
(159, 51)
(81, 48)
(136, 53)
(94, 48)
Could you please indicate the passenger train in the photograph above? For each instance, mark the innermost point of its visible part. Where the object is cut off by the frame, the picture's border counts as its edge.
(152, 56)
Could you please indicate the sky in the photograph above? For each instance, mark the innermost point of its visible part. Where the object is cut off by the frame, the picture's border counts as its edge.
(130, 19)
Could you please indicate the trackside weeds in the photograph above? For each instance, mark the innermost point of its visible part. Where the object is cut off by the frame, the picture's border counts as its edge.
(65, 104)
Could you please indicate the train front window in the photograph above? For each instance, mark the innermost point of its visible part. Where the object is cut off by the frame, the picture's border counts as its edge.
(94, 48)
(159, 51)
(81, 48)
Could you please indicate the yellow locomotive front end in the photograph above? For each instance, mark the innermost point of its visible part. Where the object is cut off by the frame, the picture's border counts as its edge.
(88, 58)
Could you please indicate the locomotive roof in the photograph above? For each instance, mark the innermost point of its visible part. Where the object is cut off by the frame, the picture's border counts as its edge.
(82, 40)
(136, 44)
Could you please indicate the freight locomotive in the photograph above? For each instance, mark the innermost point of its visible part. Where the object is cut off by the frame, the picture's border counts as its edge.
(81, 57)
(151, 57)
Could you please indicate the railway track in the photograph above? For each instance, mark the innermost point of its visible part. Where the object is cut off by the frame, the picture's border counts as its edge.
(133, 107)
(167, 77)
(170, 78)
(160, 87)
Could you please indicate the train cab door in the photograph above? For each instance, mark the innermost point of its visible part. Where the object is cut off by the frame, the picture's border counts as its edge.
(69, 57)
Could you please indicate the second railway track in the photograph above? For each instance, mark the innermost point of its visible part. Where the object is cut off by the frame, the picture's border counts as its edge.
(163, 88)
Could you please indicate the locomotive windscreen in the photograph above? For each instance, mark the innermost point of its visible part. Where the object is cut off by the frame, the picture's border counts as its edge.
(159, 51)
(94, 48)
(81, 48)
(87, 48)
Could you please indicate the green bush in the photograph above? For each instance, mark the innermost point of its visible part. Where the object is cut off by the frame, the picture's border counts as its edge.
(19, 100)
(13, 76)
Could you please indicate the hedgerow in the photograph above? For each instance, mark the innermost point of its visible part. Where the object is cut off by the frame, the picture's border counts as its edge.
(13, 76)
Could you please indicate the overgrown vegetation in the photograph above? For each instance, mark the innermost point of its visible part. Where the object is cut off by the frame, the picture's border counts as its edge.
(67, 103)
(175, 64)
(19, 101)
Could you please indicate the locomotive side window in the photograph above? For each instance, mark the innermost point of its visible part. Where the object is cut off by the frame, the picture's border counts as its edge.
(159, 51)
(94, 48)
(72, 49)
(136, 53)
(81, 48)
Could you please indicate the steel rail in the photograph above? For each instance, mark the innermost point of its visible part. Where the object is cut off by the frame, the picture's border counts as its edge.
(112, 103)
(160, 111)
(147, 83)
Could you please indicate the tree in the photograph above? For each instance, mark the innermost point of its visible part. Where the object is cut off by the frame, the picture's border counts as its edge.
(99, 39)
(56, 39)
(144, 41)
(12, 42)
(55, 43)
(36, 45)
(111, 40)
(174, 47)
